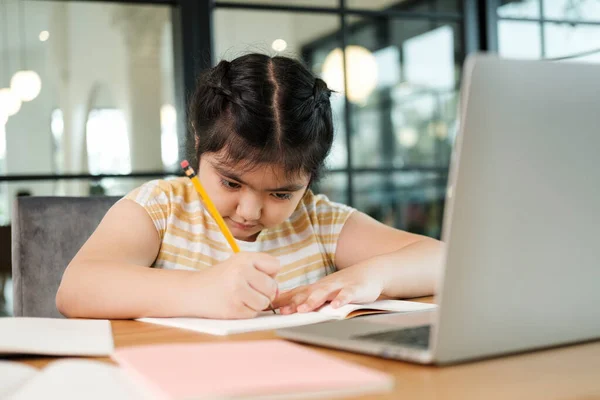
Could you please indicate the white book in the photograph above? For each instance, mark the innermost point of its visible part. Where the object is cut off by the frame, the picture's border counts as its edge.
(13, 375)
(55, 337)
(269, 321)
(68, 379)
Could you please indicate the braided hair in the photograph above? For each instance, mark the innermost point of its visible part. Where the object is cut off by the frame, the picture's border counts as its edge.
(263, 110)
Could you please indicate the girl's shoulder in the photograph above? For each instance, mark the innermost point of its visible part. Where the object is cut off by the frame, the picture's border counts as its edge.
(320, 210)
(166, 191)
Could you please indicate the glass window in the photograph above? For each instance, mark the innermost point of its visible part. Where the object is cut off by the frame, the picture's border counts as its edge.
(299, 3)
(412, 201)
(2, 146)
(168, 136)
(335, 186)
(578, 10)
(87, 56)
(240, 31)
(405, 78)
(104, 71)
(565, 40)
(107, 142)
(427, 5)
(519, 9)
(57, 127)
(519, 39)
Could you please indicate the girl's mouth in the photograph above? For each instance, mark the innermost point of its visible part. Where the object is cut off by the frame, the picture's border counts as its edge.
(245, 227)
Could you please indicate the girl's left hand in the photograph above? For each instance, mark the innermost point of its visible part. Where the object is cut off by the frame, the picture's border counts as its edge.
(355, 284)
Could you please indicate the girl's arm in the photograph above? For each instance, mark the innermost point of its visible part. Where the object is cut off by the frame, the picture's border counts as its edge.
(410, 264)
(110, 277)
(373, 261)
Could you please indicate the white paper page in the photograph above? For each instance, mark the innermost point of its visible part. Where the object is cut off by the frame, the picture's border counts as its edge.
(53, 336)
(80, 379)
(13, 375)
(264, 321)
(268, 321)
(385, 305)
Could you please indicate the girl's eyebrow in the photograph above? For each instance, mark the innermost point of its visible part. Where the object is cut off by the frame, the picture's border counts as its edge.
(293, 187)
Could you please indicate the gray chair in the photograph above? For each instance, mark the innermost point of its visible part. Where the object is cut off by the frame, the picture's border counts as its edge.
(47, 232)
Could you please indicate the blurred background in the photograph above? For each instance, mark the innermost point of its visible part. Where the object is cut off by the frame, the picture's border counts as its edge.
(93, 93)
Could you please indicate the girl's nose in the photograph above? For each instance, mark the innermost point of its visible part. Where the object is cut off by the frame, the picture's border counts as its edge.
(249, 207)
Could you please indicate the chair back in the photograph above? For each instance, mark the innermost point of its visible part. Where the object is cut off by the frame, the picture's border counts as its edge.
(47, 232)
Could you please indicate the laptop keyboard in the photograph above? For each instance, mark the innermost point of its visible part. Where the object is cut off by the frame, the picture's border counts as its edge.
(417, 337)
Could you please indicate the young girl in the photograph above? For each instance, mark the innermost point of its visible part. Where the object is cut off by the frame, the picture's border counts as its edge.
(263, 129)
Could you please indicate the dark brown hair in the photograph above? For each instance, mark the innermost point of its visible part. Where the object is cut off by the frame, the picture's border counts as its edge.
(263, 110)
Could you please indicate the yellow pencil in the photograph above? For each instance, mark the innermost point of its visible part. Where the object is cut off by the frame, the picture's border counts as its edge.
(189, 172)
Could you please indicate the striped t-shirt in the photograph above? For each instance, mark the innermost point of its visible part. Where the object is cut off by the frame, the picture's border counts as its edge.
(305, 244)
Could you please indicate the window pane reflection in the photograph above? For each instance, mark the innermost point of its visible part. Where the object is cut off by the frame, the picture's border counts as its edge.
(564, 40)
(517, 39)
(107, 142)
(105, 70)
(335, 186)
(411, 201)
(305, 3)
(519, 9)
(430, 5)
(581, 10)
(91, 56)
(406, 116)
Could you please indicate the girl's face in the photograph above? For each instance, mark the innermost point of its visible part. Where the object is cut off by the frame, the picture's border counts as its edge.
(250, 201)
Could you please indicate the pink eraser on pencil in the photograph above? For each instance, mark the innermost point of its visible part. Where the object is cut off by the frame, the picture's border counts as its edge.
(184, 164)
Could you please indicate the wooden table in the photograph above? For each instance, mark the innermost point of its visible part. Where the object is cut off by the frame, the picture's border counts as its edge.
(571, 372)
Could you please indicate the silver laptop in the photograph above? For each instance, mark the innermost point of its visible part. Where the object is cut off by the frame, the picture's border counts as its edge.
(521, 224)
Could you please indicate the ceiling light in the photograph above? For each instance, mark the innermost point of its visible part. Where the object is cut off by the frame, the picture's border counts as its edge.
(361, 66)
(279, 45)
(10, 104)
(26, 85)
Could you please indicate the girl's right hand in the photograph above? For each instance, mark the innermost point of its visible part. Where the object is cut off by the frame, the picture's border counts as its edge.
(241, 286)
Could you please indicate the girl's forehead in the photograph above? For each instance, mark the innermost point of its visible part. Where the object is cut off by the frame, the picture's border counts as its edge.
(271, 173)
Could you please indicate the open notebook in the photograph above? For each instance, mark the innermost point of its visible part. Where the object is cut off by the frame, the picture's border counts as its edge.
(55, 337)
(68, 379)
(268, 321)
(257, 369)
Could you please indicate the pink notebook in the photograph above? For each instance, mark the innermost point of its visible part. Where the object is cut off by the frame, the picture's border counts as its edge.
(261, 368)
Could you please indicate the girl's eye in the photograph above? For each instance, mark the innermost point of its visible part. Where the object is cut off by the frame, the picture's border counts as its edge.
(230, 184)
(282, 196)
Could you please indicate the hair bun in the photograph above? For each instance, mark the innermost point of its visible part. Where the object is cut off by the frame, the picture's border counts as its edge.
(321, 92)
(221, 84)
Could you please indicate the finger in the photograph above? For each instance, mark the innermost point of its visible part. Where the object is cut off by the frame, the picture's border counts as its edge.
(252, 298)
(299, 298)
(266, 263)
(316, 299)
(289, 309)
(262, 283)
(344, 297)
(285, 298)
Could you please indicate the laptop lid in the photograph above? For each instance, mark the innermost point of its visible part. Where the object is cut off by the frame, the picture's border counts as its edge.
(523, 211)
